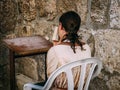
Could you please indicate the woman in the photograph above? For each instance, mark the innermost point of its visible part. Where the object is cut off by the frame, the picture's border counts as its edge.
(67, 49)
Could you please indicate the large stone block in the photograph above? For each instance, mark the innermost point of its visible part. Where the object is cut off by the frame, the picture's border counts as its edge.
(115, 14)
(107, 45)
(65, 5)
(28, 67)
(21, 79)
(27, 9)
(87, 37)
(100, 13)
(40, 6)
(7, 16)
(107, 48)
(82, 9)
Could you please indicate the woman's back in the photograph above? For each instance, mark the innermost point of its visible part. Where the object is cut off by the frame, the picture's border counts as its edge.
(66, 54)
(62, 54)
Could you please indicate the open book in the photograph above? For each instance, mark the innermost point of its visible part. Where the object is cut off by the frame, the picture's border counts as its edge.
(55, 34)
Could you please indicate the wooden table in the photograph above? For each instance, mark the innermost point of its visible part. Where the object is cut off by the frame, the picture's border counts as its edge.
(25, 46)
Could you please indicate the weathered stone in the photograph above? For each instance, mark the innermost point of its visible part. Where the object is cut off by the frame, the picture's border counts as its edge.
(65, 5)
(24, 30)
(38, 27)
(42, 27)
(98, 84)
(7, 16)
(30, 70)
(107, 48)
(21, 80)
(114, 83)
(115, 14)
(28, 9)
(41, 66)
(28, 67)
(88, 38)
(40, 5)
(82, 9)
(51, 9)
(99, 13)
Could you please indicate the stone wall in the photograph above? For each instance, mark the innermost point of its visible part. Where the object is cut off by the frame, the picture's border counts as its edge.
(100, 29)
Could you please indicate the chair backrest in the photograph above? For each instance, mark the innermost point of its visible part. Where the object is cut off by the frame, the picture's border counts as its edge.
(95, 69)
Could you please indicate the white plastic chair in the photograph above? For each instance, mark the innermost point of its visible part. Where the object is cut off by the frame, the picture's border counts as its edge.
(93, 72)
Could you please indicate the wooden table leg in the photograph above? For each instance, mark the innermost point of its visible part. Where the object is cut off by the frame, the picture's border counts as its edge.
(12, 70)
(45, 67)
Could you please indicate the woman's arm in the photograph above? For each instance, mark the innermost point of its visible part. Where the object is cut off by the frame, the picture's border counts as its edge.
(52, 61)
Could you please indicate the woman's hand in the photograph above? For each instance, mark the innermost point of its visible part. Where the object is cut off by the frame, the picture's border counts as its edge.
(61, 33)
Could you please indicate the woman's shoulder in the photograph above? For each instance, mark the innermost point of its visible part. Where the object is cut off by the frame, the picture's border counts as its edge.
(58, 48)
(51, 52)
(53, 48)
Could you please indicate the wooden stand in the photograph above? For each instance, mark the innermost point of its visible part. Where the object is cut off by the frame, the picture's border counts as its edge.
(25, 46)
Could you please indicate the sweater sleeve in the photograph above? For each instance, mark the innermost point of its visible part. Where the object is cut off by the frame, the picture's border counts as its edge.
(52, 61)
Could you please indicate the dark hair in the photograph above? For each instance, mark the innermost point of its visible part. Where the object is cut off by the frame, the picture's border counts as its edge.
(71, 23)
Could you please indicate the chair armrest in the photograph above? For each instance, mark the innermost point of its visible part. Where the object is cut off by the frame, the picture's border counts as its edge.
(30, 86)
(97, 70)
